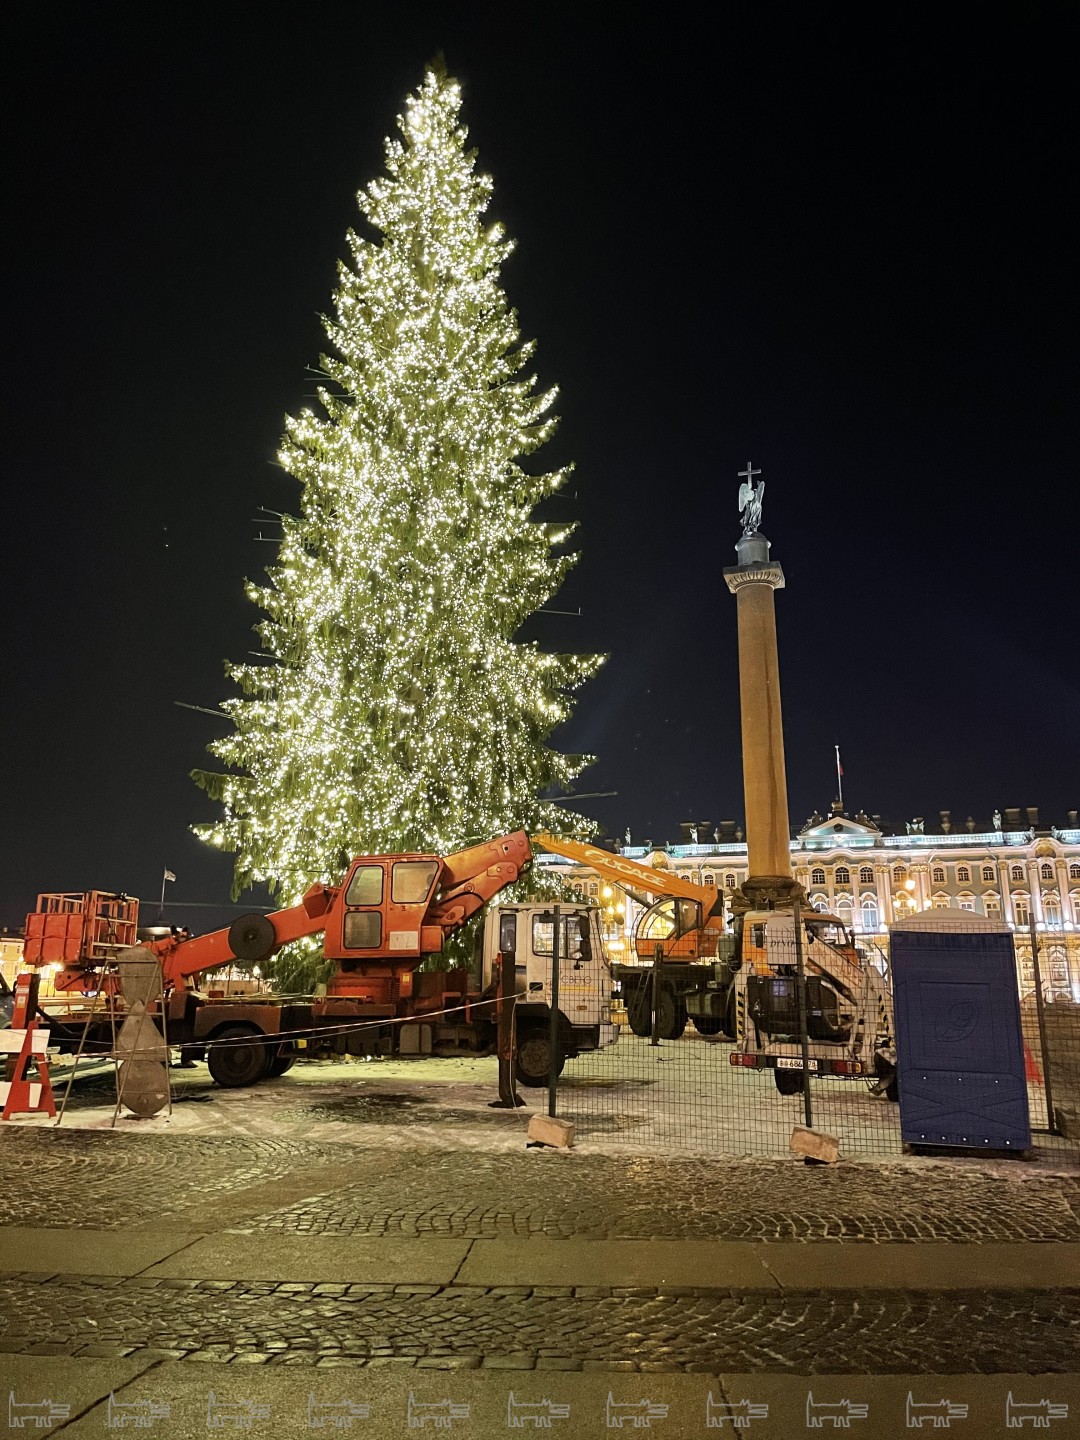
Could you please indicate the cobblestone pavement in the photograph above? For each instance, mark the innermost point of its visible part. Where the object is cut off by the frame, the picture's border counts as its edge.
(476, 1196)
(107, 1181)
(543, 1327)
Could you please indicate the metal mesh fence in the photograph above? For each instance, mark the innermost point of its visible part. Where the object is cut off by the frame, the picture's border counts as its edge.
(705, 1065)
(1048, 978)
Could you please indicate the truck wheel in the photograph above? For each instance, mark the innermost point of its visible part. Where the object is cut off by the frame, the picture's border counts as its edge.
(236, 1064)
(788, 1082)
(280, 1061)
(707, 1024)
(639, 1012)
(532, 1063)
(671, 1019)
(252, 938)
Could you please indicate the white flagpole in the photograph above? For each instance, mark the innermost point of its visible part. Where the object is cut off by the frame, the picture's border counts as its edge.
(162, 901)
(839, 778)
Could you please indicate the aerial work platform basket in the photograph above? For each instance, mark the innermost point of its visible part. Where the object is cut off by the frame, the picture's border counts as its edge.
(72, 927)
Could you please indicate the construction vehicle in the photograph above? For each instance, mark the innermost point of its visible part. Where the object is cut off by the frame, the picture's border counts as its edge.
(681, 931)
(847, 1005)
(742, 982)
(387, 915)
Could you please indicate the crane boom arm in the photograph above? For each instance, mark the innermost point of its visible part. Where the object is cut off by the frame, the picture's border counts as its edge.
(628, 873)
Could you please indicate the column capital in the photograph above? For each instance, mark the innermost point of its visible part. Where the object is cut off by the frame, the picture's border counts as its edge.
(759, 573)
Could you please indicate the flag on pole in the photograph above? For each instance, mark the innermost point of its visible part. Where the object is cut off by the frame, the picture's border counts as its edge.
(169, 875)
(839, 776)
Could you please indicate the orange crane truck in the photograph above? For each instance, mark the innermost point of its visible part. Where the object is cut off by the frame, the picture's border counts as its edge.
(684, 926)
(385, 917)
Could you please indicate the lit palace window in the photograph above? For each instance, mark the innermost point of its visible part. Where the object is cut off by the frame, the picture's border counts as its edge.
(866, 875)
(1052, 912)
(1046, 872)
(1017, 872)
(1074, 872)
(843, 875)
(1021, 910)
(938, 876)
(898, 874)
(988, 873)
(963, 874)
(729, 882)
(817, 877)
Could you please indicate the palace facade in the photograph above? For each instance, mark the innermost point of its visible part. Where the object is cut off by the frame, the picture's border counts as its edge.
(869, 874)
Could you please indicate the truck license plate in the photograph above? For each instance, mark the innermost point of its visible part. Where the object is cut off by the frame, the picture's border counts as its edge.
(791, 1062)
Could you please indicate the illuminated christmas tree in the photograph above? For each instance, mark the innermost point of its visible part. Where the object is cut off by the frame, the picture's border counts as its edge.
(395, 709)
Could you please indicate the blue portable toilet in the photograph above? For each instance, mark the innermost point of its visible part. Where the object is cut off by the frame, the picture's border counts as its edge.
(960, 1053)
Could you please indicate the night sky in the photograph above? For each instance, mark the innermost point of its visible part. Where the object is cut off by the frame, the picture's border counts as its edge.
(837, 241)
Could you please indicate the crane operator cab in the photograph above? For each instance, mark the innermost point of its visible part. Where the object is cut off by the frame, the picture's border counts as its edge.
(679, 927)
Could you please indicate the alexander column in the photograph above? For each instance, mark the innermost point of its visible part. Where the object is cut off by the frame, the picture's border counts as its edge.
(770, 883)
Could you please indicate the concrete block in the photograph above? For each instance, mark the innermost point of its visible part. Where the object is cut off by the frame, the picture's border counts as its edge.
(815, 1145)
(549, 1130)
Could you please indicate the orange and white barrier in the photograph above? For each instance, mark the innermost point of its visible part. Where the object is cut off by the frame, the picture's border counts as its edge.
(20, 1094)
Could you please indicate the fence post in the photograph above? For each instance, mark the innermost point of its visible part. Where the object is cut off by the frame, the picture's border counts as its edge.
(654, 994)
(508, 1099)
(553, 1031)
(1036, 975)
(800, 1000)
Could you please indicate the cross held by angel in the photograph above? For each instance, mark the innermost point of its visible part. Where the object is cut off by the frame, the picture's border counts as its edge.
(750, 498)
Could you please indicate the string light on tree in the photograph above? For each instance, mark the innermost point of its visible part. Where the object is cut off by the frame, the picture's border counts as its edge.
(396, 710)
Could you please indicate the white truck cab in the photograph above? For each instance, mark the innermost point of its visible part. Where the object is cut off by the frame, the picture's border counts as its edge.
(585, 1022)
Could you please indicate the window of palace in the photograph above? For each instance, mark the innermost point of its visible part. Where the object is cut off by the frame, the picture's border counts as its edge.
(866, 874)
(938, 876)
(1021, 910)
(1017, 872)
(1074, 872)
(988, 874)
(898, 874)
(729, 882)
(708, 879)
(963, 875)
(594, 889)
(869, 913)
(842, 875)
(1052, 912)
(819, 902)
(992, 905)
(940, 902)
(844, 909)
(1046, 872)
(966, 902)
(817, 877)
